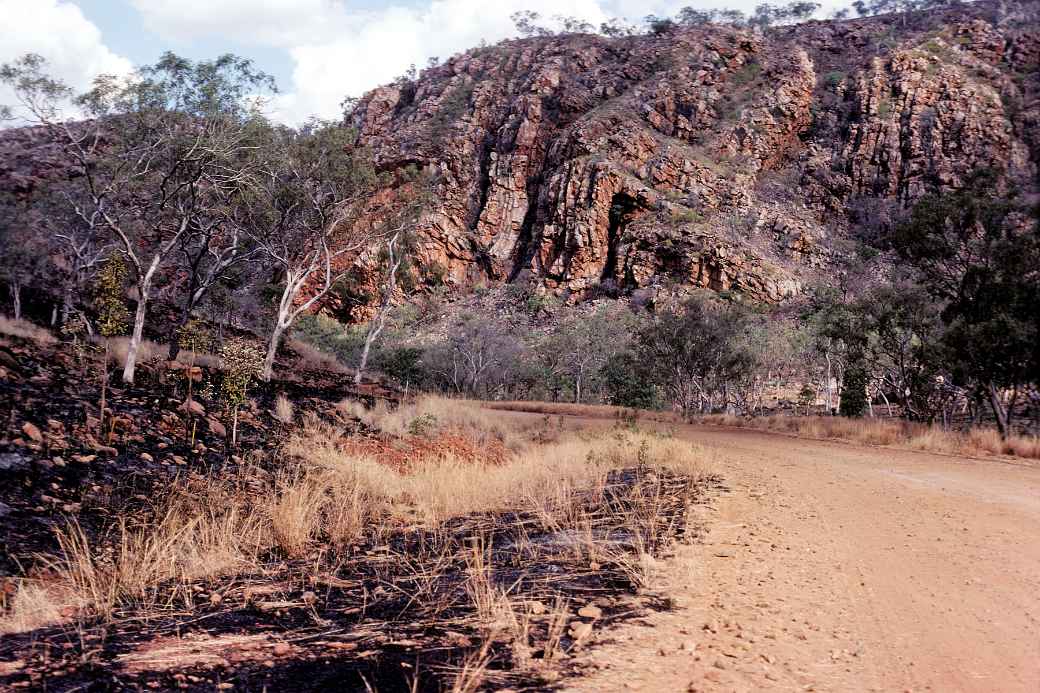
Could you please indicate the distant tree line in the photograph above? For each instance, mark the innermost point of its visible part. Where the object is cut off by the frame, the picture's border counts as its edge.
(958, 324)
(529, 23)
(939, 323)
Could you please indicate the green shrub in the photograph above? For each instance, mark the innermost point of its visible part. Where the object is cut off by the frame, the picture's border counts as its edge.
(687, 216)
(833, 79)
(331, 336)
(423, 425)
(747, 74)
(402, 364)
(628, 384)
(243, 363)
(434, 274)
(806, 397)
(113, 315)
(854, 390)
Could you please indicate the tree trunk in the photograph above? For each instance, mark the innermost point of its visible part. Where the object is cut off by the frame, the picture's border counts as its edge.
(272, 350)
(999, 411)
(376, 326)
(175, 335)
(16, 299)
(830, 399)
(144, 285)
(373, 331)
(135, 339)
(66, 306)
(104, 390)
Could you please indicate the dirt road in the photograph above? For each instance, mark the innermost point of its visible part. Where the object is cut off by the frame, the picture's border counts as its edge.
(834, 567)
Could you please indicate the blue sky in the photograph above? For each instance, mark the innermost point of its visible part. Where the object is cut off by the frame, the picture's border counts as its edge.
(125, 32)
(319, 51)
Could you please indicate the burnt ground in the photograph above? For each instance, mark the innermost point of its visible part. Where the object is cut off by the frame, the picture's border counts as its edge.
(394, 612)
(71, 469)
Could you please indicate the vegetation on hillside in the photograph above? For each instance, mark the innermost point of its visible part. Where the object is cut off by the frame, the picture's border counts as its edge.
(221, 215)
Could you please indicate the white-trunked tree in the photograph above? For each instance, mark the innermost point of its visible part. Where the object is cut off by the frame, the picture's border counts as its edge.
(157, 152)
(309, 208)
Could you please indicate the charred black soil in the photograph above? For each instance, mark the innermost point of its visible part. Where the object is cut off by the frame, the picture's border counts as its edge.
(407, 607)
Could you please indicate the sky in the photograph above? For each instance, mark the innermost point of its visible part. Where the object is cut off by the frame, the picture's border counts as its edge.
(319, 51)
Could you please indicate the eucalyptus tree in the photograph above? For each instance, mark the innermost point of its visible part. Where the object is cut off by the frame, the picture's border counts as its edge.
(703, 351)
(580, 347)
(976, 250)
(19, 263)
(156, 153)
(309, 209)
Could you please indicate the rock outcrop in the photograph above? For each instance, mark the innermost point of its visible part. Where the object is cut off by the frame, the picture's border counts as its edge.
(711, 156)
(708, 156)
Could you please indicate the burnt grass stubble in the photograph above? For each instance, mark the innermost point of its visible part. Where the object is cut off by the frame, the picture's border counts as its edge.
(391, 613)
(95, 485)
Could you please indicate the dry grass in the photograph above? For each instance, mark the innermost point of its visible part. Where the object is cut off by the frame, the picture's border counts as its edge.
(977, 442)
(916, 436)
(283, 410)
(36, 603)
(117, 346)
(426, 415)
(325, 498)
(441, 486)
(150, 351)
(592, 411)
(312, 358)
(25, 330)
(205, 527)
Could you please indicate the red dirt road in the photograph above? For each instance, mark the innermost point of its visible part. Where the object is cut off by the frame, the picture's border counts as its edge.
(835, 567)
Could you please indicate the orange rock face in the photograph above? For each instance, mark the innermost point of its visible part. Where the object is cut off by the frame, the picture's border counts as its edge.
(709, 156)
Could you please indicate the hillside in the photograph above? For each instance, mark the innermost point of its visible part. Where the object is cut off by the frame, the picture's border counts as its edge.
(709, 155)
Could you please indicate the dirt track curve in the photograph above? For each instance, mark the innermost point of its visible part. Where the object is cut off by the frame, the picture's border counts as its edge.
(833, 567)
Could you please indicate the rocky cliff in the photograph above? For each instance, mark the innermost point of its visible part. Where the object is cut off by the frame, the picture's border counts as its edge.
(710, 155)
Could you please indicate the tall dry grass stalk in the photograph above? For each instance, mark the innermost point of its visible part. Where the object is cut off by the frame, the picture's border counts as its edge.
(284, 410)
(204, 528)
(34, 604)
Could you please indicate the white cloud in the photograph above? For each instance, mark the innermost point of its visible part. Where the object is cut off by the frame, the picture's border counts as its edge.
(374, 48)
(338, 51)
(58, 31)
(281, 23)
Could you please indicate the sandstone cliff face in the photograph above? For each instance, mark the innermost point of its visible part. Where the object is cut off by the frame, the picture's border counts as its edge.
(709, 156)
